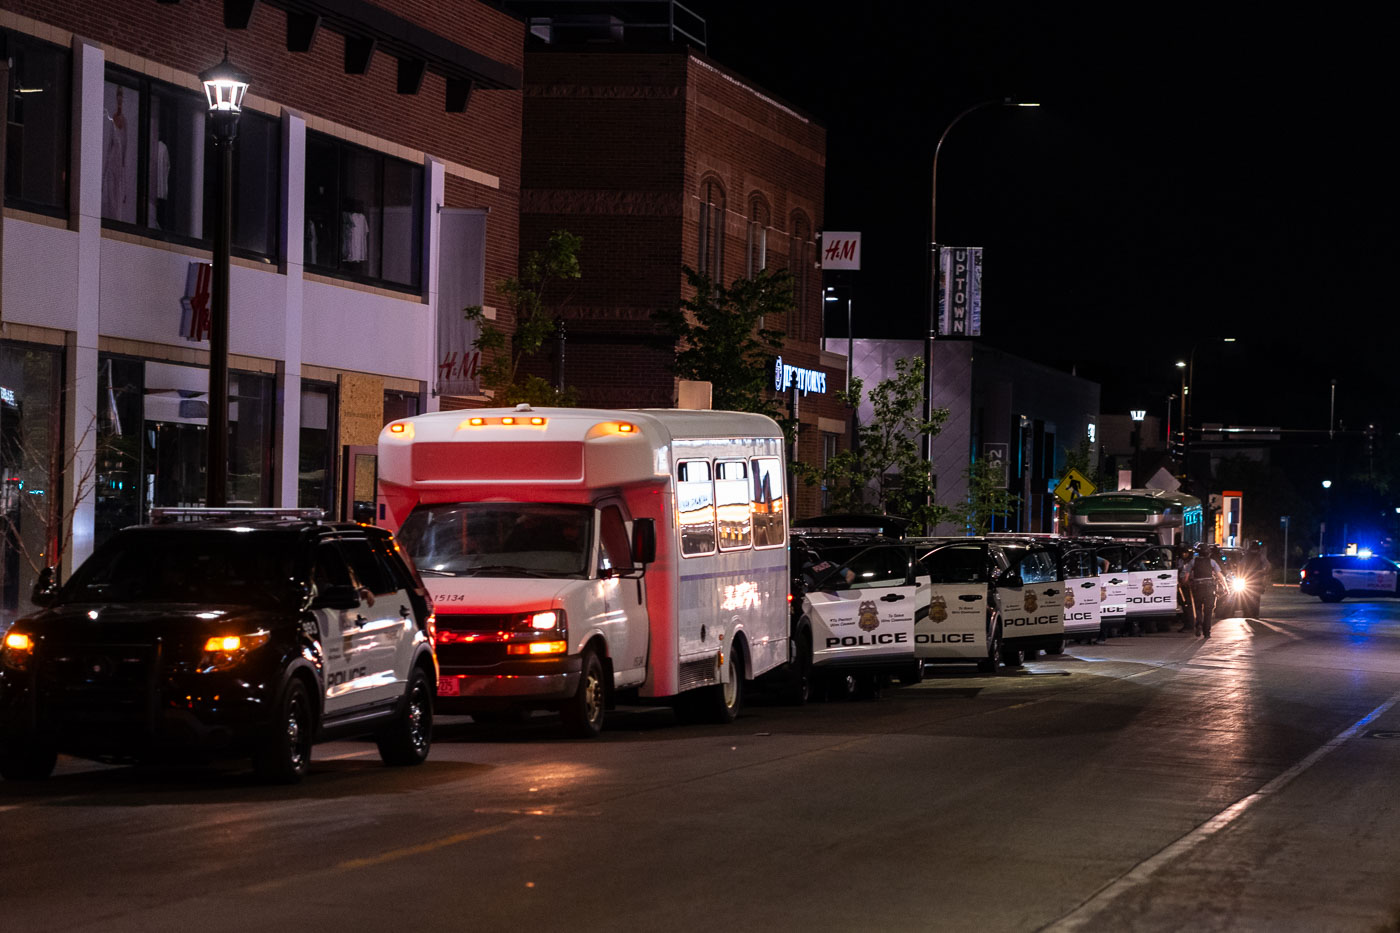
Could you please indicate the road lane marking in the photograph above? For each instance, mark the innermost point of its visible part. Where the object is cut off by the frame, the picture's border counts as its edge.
(1083, 916)
(389, 855)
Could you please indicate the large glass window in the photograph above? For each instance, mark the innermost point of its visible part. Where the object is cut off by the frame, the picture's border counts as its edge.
(36, 141)
(364, 213)
(159, 170)
(152, 429)
(32, 521)
(757, 253)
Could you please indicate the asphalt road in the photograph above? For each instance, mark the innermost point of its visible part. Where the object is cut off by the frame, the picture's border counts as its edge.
(1154, 783)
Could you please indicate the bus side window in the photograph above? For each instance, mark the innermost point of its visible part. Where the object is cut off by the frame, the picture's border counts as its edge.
(695, 505)
(768, 519)
(733, 509)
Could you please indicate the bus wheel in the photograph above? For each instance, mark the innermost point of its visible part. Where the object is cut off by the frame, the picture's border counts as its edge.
(583, 713)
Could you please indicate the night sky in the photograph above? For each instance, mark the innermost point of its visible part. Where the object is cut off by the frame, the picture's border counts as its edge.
(1192, 174)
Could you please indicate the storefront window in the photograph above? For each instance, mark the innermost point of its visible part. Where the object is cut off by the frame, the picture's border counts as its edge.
(36, 141)
(316, 461)
(364, 213)
(152, 439)
(32, 517)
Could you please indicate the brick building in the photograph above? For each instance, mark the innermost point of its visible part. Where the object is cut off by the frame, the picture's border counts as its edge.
(660, 158)
(384, 149)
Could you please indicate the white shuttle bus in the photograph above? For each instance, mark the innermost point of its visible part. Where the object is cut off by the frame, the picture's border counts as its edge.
(575, 554)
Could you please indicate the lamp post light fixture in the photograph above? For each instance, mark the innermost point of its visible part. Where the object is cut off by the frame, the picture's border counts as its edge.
(224, 88)
(933, 253)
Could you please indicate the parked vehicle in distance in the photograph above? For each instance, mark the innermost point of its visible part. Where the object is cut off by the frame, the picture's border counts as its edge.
(1332, 577)
(223, 633)
(575, 555)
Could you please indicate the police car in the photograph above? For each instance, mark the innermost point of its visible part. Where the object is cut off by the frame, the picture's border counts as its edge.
(1332, 577)
(222, 634)
(855, 603)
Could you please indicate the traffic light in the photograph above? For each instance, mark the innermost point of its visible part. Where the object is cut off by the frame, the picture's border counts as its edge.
(1176, 447)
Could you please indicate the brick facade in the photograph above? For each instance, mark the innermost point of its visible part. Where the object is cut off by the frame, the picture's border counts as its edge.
(617, 145)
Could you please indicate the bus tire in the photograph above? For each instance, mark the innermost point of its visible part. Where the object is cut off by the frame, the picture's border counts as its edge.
(584, 712)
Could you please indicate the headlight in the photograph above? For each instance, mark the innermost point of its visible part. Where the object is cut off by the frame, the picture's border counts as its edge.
(1238, 585)
(17, 651)
(537, 633)
(223, 652)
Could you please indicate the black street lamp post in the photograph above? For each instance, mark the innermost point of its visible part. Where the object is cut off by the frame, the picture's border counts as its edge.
(224, 87)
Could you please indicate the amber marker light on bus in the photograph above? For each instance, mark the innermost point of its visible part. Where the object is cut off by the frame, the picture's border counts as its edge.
(401, 429)
(624, 428)
(539, 647)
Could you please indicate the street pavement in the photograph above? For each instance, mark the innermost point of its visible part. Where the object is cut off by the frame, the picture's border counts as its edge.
(1157, 783)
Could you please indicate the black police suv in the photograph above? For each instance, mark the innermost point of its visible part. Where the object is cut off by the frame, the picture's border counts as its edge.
(238, 635)
(1333, 577)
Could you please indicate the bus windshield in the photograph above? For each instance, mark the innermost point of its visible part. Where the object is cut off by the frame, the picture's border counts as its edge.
(500, 539)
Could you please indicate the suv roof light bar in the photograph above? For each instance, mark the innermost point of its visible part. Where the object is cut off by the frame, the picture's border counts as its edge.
(163, 515)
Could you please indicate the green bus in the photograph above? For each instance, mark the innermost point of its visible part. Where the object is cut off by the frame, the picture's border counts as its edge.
(1147, 515)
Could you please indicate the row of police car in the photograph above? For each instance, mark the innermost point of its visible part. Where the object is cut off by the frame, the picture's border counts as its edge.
(870, 602)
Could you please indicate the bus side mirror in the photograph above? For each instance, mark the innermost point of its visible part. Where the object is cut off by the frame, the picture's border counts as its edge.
(46, 587)
(643, 541)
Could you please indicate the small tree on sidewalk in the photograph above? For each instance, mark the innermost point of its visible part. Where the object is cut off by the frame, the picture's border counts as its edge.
(723, 339)
(544, 271)
(987, 497)
(886, 471)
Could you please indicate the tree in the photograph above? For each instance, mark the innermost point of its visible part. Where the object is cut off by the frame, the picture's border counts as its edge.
(535, 320)
(1079, 459)
(987, 497)
(722, 339)
(886, 471)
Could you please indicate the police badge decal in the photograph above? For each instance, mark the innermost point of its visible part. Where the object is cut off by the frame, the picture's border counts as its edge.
(938, 609)
(1147, 587)
(869, 619)
(1030, 601)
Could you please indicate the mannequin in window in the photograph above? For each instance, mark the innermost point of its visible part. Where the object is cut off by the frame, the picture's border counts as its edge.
(116, 187)
(354, 233)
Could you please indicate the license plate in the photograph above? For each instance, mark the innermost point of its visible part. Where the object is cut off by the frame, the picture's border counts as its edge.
(448, 687)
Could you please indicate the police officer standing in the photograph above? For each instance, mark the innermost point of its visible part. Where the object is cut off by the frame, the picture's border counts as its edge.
(1205, 580)
(1256, 574)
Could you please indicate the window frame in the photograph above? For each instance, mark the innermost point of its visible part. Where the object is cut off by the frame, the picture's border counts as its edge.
(383, 161)
(9, 38)
(144, 86)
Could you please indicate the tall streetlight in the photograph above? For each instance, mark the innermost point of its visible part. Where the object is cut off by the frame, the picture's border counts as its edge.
(224, 87)
(933, 253)
(1188, 386)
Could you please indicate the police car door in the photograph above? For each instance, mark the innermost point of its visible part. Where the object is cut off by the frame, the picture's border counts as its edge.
(341, 637)
(1113, 585)
(955, 625)
(1365, 575)
(1035, 605)
(383, 627)
(1152, 582)
(1082, 589)
(869, 616)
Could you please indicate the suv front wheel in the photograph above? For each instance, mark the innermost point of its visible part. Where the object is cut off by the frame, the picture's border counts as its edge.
(408, 739)
(1332, 592)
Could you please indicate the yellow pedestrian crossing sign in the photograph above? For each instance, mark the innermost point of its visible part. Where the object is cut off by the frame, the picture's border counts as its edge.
(1073, 485)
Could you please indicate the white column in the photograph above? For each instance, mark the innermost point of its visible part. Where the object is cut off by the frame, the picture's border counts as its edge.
(288, 415)
(435, 179)
(80, 380)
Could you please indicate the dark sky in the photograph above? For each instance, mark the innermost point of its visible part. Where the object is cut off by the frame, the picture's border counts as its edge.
(1192, 174)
